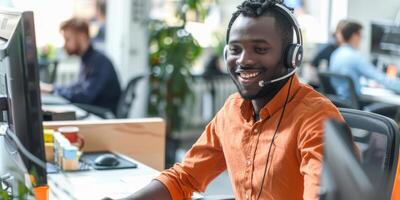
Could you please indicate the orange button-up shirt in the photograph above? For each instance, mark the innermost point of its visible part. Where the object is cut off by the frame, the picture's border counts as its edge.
(233, 141)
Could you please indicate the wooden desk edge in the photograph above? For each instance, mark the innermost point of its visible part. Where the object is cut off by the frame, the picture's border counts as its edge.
(142, 139)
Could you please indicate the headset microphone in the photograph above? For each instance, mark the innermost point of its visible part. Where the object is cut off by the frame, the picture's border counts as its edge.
(265, 83)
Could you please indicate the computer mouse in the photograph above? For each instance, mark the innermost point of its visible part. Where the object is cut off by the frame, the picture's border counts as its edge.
(106, 160)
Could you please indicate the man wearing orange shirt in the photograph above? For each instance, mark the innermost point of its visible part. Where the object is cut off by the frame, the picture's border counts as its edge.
(269, 136)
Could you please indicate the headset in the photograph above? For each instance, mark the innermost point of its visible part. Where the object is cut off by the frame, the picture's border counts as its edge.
(293, 54)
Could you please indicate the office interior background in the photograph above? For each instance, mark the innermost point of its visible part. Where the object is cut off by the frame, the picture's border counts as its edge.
(127, 44)
(127, 37)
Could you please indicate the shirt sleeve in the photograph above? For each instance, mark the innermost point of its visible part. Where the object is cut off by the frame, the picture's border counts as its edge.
(370, 71)
(203, 162)
(86, 91)
(310, 145)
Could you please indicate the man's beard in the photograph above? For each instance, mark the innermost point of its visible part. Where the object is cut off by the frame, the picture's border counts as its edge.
(73, 52)
(264, 92)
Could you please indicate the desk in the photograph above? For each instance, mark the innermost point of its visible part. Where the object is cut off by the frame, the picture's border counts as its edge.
(97, 184)
(51, 99)
(55, 103)
(380, 95)
(142, 139)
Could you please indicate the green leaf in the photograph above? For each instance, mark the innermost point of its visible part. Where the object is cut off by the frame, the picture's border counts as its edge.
(172, 53)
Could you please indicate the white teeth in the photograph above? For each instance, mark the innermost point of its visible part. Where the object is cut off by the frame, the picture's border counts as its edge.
(248, 75)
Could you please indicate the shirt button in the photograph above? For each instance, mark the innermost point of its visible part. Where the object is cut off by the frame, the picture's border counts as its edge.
(248, 162)
(247, 196)
(255, 130)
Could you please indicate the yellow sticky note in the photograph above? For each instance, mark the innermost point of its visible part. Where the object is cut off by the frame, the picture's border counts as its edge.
(48, 135)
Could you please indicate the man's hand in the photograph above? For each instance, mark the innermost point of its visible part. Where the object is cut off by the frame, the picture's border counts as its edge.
(46, 88)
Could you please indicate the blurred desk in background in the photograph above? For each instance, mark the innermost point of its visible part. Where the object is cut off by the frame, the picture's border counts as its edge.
(380, 95)
(59, 109)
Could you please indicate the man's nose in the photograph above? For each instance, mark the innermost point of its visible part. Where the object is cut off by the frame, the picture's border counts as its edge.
(245, 59)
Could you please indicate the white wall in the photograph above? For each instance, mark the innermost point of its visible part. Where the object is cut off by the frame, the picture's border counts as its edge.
(126, 44)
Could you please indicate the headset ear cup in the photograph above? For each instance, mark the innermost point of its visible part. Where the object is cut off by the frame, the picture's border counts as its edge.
(225, 53)
(298, 55)
(294, 55)
(289, 56)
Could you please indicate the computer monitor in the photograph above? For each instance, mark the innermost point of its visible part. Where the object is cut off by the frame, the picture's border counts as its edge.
(385, 38)
(19, 78)
(342, 175)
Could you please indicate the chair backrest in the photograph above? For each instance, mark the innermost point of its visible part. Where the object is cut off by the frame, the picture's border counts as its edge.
(343, 176)
(127, 97)
(329, 90)
(378, 140)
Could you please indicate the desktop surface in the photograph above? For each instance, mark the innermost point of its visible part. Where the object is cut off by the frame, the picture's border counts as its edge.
(97, 184)
(54, 103)
(380, 95)
(50, 99)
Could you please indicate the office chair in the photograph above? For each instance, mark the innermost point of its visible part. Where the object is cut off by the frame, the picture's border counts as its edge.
(48, 70)
(353, 101)
(343, 176)
(330, 92)
(127, 97)
(124, 104)
(378, 140)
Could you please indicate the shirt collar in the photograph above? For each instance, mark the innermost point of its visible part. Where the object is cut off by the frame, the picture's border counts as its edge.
(276, 103)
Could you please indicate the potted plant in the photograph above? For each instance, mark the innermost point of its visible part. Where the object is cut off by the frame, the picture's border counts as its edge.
(173, 51)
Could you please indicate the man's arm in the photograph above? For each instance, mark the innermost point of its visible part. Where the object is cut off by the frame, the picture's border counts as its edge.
(370, 71)
(310, 144)
(46, 88)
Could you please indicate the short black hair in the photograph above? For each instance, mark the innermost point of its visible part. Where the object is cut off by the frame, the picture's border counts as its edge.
(257, 8)
(349, 28)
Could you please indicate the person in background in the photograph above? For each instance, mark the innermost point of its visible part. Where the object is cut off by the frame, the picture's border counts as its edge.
(99, 38)
(347, 60)
(324, 54)
(98, 82)
(269, 136)
(320, 61)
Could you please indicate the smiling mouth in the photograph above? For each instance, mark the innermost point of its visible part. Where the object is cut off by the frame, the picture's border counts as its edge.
(248, 75)
(247, 78)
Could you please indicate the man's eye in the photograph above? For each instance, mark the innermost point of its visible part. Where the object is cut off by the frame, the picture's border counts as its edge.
(234, 51)
(261, 50)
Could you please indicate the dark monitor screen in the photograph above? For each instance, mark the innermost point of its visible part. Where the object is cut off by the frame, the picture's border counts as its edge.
(19, 69)
(385, 39)
(342, 176)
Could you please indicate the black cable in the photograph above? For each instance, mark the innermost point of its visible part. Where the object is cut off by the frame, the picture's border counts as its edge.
(24, 151)
(273, 137)
(39, 162)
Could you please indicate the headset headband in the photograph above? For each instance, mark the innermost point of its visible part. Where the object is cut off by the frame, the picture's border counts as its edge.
(289, 15)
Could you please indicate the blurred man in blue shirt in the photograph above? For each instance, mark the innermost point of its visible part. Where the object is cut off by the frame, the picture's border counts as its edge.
(348, 61)
(97, 80)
